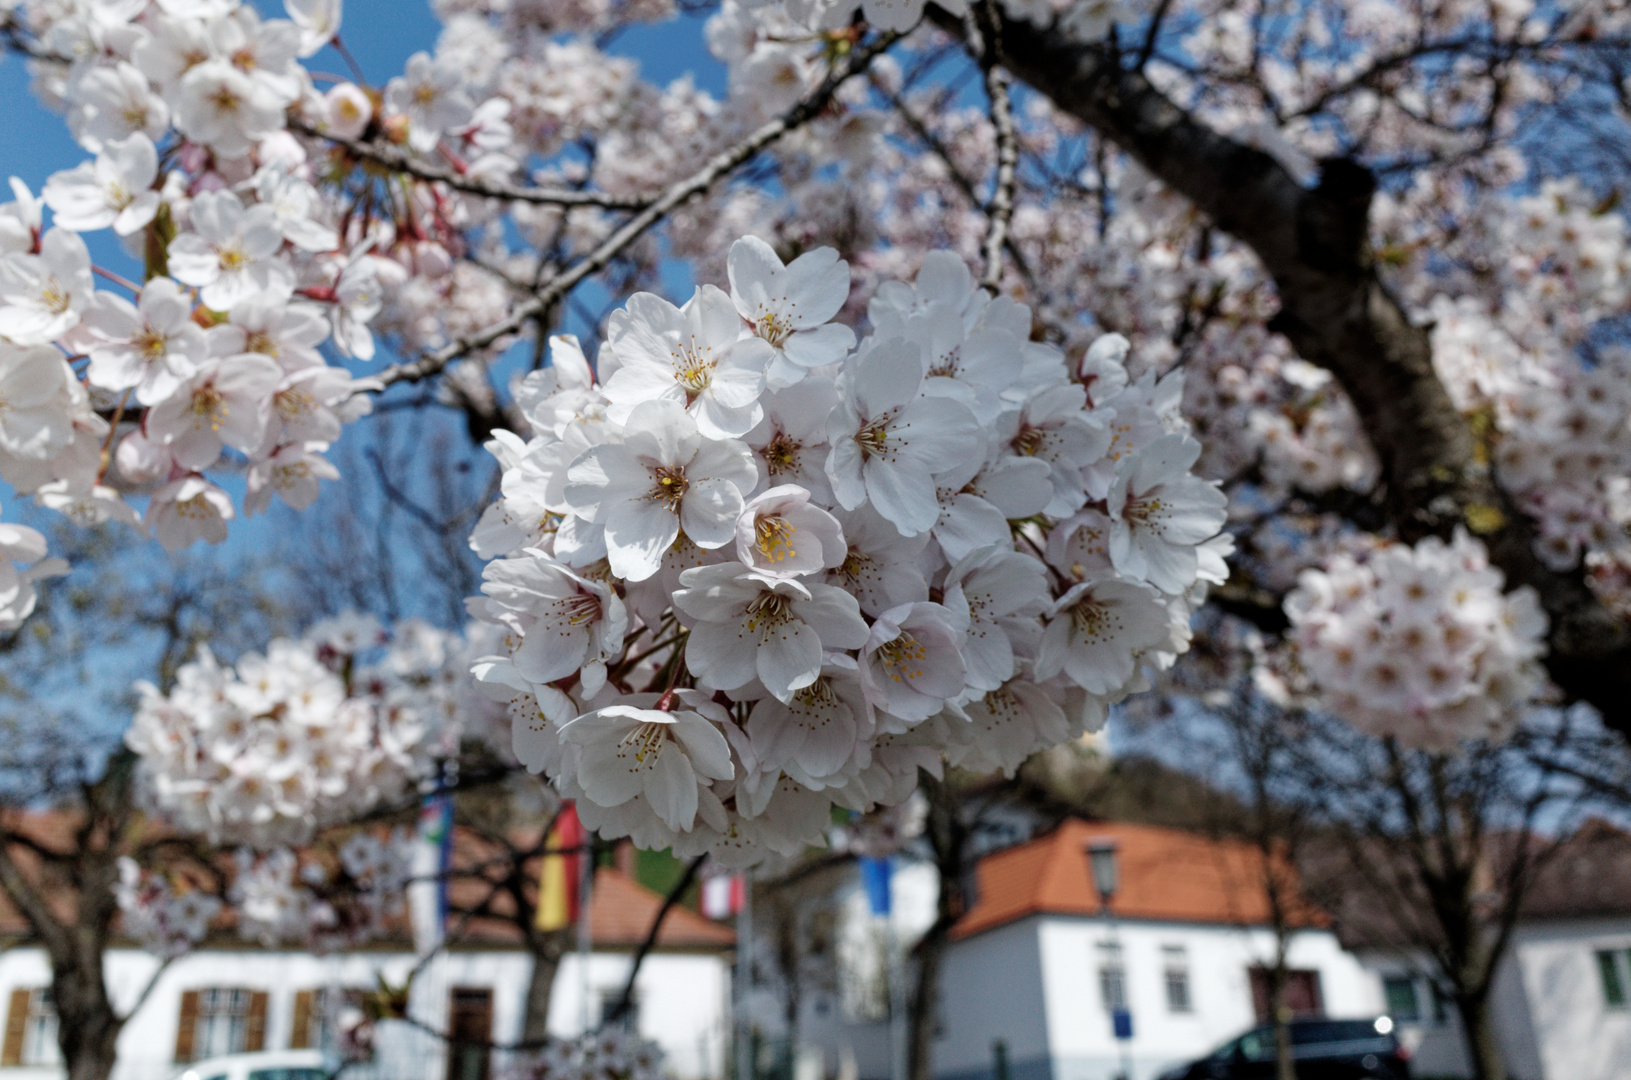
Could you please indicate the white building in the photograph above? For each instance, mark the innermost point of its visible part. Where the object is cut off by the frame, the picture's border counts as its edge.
(1562, 994)
(1035, 967)
(228, 997)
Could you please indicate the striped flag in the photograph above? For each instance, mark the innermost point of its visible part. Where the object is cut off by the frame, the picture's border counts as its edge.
(722, 895)
(560, 878)
(427, 892)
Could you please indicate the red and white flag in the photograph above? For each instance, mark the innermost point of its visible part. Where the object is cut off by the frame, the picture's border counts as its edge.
(722, 896)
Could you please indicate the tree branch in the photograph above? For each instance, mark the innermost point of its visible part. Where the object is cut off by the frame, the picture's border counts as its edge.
(625, 1000)
(397, 159)
(1000, 211)
(672, 198)
(1337, 313)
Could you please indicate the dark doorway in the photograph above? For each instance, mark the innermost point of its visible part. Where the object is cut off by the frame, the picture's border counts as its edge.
(1302, 994)
(470, 1033)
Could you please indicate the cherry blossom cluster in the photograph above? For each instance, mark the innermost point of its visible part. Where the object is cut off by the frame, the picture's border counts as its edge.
(749, 568)
(213, 361)
(164, 917)
(1420, 643)
(312, 732)
(613, 1053)
(279, 897)
(21, 545)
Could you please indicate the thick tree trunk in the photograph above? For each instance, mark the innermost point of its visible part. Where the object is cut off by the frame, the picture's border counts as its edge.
(547, 950)
(87, 1025)
(945, 833)
(1336, 313)
(1478, 1028)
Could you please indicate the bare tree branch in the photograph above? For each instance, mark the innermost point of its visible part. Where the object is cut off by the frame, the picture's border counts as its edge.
(397, 159)
(671, 199)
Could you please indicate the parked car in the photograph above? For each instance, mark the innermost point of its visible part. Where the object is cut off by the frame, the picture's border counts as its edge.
(1322, 1049)
(270, 1065)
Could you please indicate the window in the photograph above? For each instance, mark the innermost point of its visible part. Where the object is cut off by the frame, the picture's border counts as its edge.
(1612, 971)
(1176, 962)
(630, 1020)
(317, 1016)
(1112, 977)
(222, 1026)
(31, 1029)
(1400, 994)
(470, 1033)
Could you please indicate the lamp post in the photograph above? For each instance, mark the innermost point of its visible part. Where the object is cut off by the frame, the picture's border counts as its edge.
(1101, 859)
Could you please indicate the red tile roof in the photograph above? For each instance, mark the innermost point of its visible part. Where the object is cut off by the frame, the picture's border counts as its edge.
(1165, 874)
(621, 910)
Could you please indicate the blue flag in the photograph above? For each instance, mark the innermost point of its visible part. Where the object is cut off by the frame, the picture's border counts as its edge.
(875, 879)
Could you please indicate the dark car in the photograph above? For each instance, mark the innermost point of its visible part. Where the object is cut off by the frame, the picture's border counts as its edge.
(1323, 1050)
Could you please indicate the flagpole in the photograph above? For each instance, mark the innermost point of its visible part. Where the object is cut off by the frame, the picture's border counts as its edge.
(897, 1001)
(744, 975)
(586, 877)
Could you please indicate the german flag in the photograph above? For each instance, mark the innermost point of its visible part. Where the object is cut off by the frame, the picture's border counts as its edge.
(560, 878)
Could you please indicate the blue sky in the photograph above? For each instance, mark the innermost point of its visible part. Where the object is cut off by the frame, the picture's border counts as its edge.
(382, 34)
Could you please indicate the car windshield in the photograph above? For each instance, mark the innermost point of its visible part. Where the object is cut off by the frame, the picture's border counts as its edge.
(292, 1072)
(1333, 1031)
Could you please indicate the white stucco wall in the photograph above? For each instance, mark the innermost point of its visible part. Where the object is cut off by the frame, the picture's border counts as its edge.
(1575, 1034)
(684, 1000)
(1081, 1040)
(992, 988)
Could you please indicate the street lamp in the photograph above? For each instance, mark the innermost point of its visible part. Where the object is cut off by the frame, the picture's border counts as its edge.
(1101, 860)
(1101, 856)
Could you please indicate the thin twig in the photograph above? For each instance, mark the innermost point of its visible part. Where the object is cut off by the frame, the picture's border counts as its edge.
(625, 1000)
(396, 159)
(676, 195)
(1000, 211)
(929, 139)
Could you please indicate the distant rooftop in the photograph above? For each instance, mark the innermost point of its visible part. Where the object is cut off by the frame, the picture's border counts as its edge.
(621, 910)
(1165, 875)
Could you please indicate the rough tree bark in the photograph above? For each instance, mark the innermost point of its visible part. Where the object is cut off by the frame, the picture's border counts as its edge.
(947, 835)
(547, 948)
(76, 934)
(1336, 312)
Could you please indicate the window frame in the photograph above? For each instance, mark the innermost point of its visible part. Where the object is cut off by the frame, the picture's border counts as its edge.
(210, 1012)
(1402, 981)
(1614, 976)
(40, 1046)
(1175, 976)
(1112, 975)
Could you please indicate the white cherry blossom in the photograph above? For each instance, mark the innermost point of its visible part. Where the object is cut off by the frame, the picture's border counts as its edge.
(114, 190)
(751, 626)
(887, 442)
(782, 534)
(695, 355)
(150, 347)
(1159, 512)
(631, 749)
(662, 477)
(912, 663)
(790, 306)
(43, 296)
(229, 255)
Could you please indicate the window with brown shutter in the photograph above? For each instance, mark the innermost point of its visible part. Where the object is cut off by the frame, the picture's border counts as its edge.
(16, 1024)
(186, 1026)
(255, 1027)
(470, 1033)
(300, 1034)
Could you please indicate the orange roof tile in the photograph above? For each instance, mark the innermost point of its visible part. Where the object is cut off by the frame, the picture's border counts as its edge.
(1165, 874)
(621, 910)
